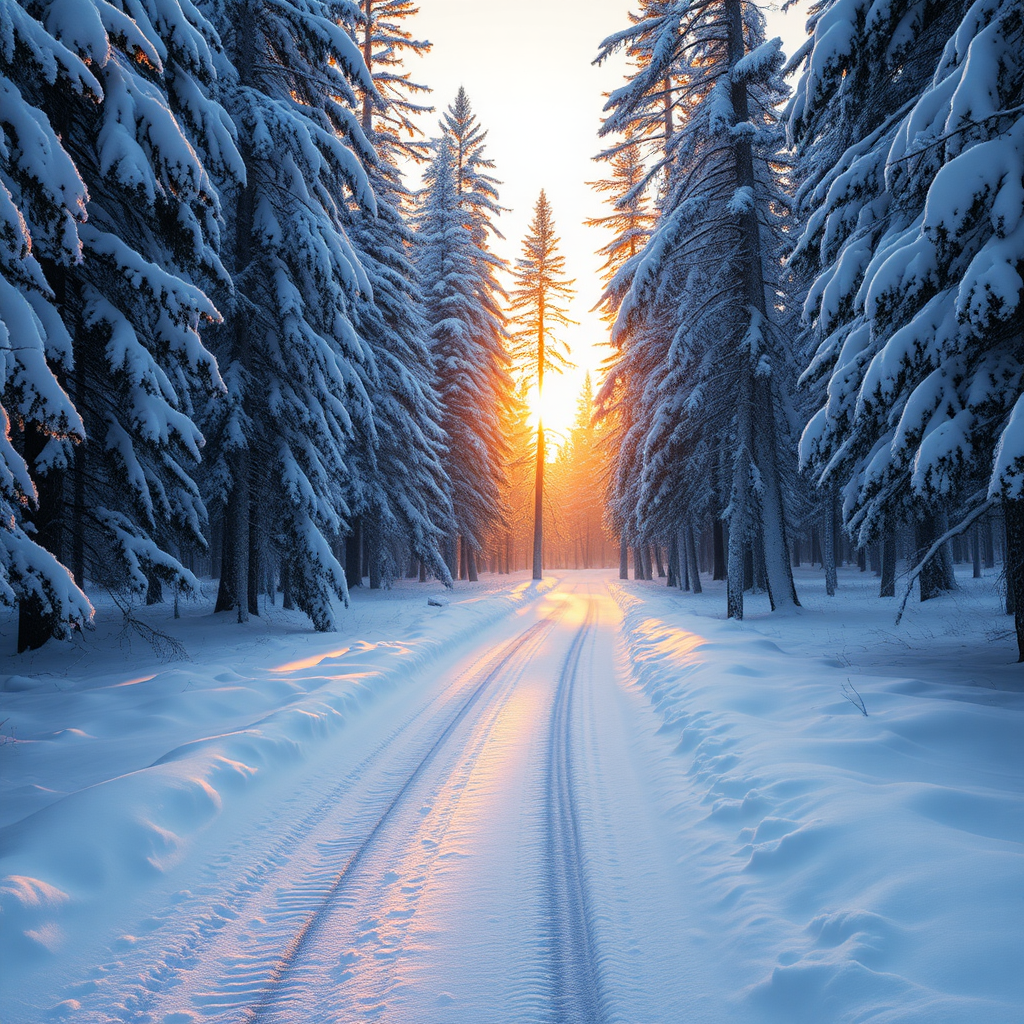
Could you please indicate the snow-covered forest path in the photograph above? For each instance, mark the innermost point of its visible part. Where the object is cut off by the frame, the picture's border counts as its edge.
(490, 852)
(580, 800)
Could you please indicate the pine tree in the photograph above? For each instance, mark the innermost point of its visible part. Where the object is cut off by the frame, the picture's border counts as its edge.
(705, 365)
(404, 503)
(39, 184)
(918, 308)
(125, 502)
(538, 310)
(388, 112)
(863, 69)
(467, 335)
(299, 375)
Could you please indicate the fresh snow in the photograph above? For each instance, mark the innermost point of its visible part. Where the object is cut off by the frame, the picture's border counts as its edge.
(590, 798)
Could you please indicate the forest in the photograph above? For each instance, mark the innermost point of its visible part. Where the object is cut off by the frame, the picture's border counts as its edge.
(254, 326)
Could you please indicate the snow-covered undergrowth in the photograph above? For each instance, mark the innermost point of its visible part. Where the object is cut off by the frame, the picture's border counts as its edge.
(112, 760)
(847, 866)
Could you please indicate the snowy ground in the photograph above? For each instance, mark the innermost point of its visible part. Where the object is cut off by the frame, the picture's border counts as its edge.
(585, 800)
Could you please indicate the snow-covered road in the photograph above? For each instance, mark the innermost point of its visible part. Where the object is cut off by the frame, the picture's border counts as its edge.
(583, 801)
(488, 855)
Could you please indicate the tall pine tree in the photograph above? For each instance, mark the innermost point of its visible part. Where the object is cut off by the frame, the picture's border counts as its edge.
(538, 311)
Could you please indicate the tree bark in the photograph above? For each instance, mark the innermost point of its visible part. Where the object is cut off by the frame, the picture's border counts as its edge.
(471, 560)
(1013, 511)
(976, 550)
(828, 543)
(691, 548)
(623, 558)
(932, 578)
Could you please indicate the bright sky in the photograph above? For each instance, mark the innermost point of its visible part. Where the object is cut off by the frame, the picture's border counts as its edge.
(526, 65)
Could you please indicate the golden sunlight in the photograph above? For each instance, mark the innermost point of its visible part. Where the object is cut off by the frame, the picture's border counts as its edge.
(558, 407)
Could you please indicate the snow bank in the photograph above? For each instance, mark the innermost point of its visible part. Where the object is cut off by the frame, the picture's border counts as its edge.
(852, 866)
(111, 767)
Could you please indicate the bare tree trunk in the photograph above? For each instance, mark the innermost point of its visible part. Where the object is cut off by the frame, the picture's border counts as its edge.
(1013, 511)
(538, 508)
(828, 542)
(888, 587)
(657, 561)
(932, 579)
(354, 555)
(240, 513)
(976, 550)
(720, 569)
(471, 560)
(623, 558)
(374, 555)
(945, 553)
(691, 548)
(255, 569)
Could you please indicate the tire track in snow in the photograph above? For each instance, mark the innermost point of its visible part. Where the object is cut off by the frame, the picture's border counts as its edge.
(262, 1009)
(577, 996)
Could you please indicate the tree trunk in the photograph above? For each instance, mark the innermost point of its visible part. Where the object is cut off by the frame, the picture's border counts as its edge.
(657, 561)
(674, 563)
(932, 577)
(471, 560)
(623, 558)
(225, 589)
(976, 550)
(748, 568)
(719, 569)
(888, 586)
(945, 553)
(255, 557)
(638, 563)
(374, 556)
(354, 555)
(691, 549)
(1013, 511)
(538, 508)
(828, 543)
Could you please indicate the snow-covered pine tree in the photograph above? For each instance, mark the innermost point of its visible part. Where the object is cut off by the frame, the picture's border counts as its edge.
(467, 332)
(297, 371)
(631, 221)
(864, 66)
(476, 187)
(38, 184)
(538, 311)
(124, 501)
(403, 500)
(708, 364)
(389, 112)
(921, 316)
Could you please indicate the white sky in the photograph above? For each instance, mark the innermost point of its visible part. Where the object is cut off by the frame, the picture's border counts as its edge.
(526, 65)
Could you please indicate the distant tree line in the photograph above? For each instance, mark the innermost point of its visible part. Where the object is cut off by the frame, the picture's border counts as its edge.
(815, 298)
